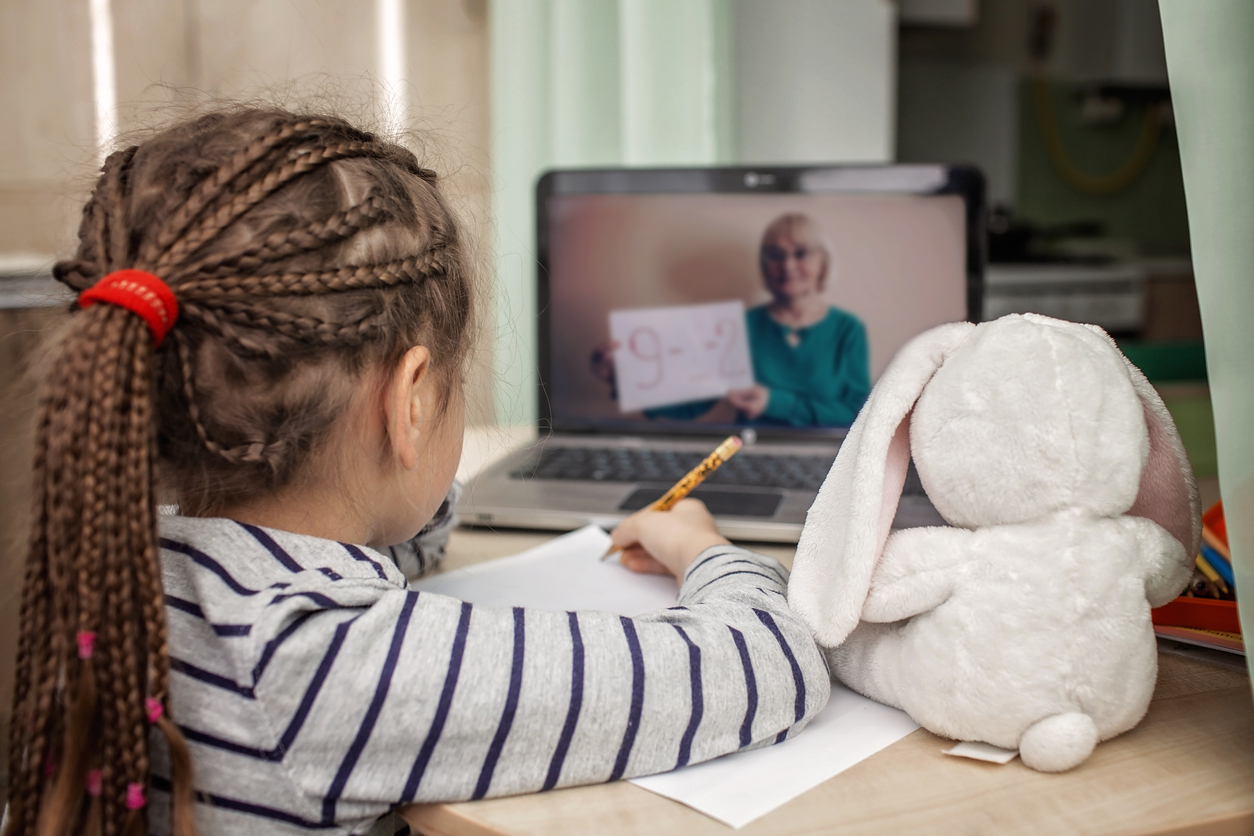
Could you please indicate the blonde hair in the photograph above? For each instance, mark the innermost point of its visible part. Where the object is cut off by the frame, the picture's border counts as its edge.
(801, 227)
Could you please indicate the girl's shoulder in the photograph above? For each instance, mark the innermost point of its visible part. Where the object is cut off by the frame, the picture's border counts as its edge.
(227, 547)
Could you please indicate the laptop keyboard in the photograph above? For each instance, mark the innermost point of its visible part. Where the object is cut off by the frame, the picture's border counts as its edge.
(631, 464)
(636, 464)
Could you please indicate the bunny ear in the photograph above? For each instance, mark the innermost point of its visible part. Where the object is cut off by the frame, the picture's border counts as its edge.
(850, 519)
(1168, 492)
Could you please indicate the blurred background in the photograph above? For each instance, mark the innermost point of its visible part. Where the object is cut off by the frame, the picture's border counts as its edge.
(1063, 103)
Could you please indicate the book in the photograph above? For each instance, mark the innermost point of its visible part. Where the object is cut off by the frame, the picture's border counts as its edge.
(1212, 639)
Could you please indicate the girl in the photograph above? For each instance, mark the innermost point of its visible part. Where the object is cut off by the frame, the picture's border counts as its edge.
(273, 316)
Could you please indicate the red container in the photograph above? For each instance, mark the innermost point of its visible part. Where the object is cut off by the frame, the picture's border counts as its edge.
(1214, 520)
(1198, 613)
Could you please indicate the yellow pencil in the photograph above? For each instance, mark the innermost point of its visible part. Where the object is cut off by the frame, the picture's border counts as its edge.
(695, 477)
(1212, 539)
(1211, 574)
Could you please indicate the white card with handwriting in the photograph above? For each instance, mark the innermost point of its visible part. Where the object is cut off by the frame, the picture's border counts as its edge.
(678, 354)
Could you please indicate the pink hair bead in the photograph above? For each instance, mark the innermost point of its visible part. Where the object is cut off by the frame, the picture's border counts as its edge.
(95, 782)
(86, 644)
(154, 708)
(135, 796)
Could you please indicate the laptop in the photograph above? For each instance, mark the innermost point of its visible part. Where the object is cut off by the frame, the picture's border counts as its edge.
(680, 306)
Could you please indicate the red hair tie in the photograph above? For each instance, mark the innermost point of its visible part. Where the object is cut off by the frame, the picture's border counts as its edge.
(140, 293)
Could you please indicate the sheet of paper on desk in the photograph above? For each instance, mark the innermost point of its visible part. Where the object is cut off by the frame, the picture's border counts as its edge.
(562, 574)
(565, 574)
(738, 788)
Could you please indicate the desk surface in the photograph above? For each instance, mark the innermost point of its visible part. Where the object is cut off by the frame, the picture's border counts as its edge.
(1188, 768)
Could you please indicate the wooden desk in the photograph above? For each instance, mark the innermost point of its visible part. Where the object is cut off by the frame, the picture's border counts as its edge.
(1188, 768)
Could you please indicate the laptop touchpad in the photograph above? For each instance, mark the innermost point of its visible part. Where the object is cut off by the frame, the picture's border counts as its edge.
(720, 501)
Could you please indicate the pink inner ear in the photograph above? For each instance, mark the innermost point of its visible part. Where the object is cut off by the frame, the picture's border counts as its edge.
(898, 461)
(1164, 494)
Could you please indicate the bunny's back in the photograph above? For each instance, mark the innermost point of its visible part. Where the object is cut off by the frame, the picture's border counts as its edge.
(1045, 617)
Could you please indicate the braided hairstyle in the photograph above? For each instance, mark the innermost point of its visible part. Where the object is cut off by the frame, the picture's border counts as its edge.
(303, 253)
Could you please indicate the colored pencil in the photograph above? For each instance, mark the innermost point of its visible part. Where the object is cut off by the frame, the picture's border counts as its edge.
(1216, 560)
(1211, 574)
(1211, 539)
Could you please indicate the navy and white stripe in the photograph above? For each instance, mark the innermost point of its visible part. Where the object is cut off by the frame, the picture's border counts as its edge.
(698, 701)
(636, 706)
(576, 704)
(318, 693)
(511, 706)
(751, 688)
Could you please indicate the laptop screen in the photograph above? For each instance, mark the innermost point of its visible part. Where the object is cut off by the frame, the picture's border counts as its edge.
(702, 311)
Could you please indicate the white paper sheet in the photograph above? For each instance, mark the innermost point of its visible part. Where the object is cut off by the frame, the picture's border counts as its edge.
(983, 752)
(680, 353)
(738, 788)
(565, 574)
(562, 574)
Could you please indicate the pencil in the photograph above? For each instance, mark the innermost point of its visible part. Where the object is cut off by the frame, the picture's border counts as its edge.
(1211, 574)
(1211, 539)
(1217, 562)
(695, 477)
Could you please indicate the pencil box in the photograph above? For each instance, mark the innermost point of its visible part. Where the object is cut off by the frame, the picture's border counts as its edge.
(1214, 520)
(1198, 613)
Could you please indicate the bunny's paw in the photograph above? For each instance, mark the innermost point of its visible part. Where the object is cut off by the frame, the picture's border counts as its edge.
(1058, 743)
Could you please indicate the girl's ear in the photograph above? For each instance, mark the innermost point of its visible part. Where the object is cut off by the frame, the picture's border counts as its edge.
(846, 527)
(406, 404)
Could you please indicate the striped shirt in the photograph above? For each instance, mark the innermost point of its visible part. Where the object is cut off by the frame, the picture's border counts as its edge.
(318, 693)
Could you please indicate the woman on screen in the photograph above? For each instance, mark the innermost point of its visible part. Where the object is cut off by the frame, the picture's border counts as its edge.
(810, 358)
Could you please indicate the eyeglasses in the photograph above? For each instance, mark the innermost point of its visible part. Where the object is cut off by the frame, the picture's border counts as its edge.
(779, 255)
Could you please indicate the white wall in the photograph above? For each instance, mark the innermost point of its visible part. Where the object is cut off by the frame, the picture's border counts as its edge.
(47, 134)
(816, 80)
(172, 57)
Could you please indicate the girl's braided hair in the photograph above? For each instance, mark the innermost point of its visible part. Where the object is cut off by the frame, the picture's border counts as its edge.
(303, 252)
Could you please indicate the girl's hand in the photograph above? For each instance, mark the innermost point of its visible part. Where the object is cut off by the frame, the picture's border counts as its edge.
(666, 541)
(752, 401)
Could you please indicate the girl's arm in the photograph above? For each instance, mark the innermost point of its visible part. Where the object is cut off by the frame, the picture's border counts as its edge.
(420, 697)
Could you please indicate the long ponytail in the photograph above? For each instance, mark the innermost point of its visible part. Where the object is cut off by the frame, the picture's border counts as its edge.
(284, 242)
(92, 647)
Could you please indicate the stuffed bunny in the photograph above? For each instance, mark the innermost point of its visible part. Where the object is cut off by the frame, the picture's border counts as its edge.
(1074, 511)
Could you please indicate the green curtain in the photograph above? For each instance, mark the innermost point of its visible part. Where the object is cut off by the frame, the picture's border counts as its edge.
(1210, 62)
(591, 83)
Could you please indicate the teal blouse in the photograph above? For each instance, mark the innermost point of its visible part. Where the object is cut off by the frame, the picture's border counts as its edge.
(821, 382)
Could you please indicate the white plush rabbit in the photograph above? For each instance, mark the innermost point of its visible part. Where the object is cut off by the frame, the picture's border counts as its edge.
(1027, 624)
